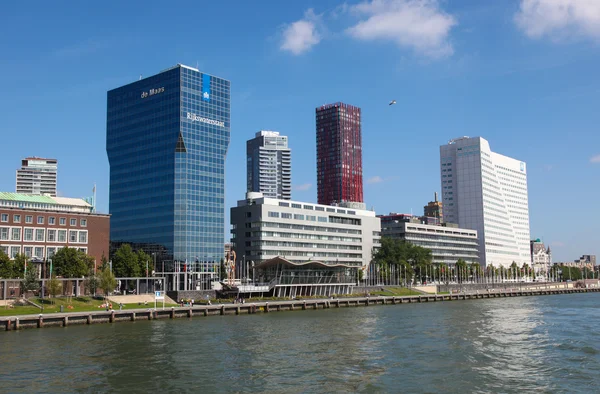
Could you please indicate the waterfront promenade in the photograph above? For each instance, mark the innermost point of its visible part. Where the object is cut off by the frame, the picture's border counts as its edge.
(64, 319)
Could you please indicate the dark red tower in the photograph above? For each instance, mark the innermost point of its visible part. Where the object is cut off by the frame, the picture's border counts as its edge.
(339, 154)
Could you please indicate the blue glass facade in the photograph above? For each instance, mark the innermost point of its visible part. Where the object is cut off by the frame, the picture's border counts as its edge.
(167, 139)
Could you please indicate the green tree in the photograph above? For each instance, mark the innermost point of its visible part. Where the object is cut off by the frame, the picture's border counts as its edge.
(514, 268)
(403, 256)
(476, 270)
(107, 281)
(125, 262)
(8, 268)
(71, 263)
(103, 262)
(554, 272)
(92, 283)
(20, 262)
(30, 282)
(461, 268)
(54, 286)
(144, 263)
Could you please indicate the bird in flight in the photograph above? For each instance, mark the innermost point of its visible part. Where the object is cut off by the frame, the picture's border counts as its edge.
(392, 102)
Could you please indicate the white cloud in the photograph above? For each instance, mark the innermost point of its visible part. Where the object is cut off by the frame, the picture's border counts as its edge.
(300, 36)
(595, 159)
(374, 179)
(303, 187)
(558, 19)
(417, 24)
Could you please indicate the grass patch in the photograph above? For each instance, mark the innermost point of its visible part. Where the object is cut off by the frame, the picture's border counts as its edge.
(74, 304)
(396, 291)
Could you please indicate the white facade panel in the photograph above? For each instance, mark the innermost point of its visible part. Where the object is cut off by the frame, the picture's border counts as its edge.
(264, 228)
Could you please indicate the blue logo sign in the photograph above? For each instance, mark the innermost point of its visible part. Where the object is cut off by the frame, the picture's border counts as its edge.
(522, 166)
(205, 87)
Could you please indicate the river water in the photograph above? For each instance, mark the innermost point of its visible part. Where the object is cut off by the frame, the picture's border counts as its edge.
(547, 344)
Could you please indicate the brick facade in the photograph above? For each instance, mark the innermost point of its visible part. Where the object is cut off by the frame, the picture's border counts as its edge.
(39, 233)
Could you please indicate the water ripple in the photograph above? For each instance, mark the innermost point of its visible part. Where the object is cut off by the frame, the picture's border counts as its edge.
(515, 345)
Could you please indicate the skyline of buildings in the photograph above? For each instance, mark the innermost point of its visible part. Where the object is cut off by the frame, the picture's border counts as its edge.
(167, 137)
(339, 155)
(37, 176)
(486, 191)
(269, 165)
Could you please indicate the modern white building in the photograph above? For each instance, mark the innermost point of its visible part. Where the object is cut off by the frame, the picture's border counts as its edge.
(264, 228)
(37, 176)
(486, 191)
(448, 243)
(269, 165)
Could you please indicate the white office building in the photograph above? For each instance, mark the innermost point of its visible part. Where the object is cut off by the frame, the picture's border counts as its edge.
(485, 191)
(264, 228)
(37, 176)
(269, 165)
(448, 243)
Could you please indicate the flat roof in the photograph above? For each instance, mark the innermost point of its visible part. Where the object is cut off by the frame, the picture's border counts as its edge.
(26, 198)
(18, 197)
(275, 202)
(281, 260)
(178, 65)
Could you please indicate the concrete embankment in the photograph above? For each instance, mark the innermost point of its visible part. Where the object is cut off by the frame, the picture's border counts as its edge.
(65, 319)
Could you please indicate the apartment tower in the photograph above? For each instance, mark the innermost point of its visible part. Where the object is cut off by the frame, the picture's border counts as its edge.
(339, 155)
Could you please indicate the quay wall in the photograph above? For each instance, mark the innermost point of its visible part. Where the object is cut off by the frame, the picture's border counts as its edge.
(10, 323)
(195, 295)
(457, 287)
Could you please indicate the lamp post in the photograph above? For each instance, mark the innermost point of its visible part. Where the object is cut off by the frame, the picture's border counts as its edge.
(146, 276)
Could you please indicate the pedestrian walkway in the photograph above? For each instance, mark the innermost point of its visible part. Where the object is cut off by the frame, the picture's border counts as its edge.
(137, 299)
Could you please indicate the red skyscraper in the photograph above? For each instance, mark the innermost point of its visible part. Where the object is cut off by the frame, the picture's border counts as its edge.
(339, 154)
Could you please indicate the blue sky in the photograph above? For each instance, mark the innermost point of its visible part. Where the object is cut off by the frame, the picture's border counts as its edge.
(522, 74)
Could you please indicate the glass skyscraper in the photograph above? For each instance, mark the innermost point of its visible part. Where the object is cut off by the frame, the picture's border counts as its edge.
(166, 138)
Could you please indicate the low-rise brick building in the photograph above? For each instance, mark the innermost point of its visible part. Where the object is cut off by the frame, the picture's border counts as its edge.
(38, 226)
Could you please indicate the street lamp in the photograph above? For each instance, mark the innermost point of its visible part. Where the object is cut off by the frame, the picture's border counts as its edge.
(244, 267)
(146, 276)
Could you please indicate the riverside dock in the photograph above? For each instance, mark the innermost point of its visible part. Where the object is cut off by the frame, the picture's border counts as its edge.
(65, 319)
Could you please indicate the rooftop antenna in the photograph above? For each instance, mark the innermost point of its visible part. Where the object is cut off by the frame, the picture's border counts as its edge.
(94, 199)
(197, 66)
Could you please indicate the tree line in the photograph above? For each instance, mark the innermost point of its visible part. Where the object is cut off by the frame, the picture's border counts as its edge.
(411, 262)
(73, 263)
